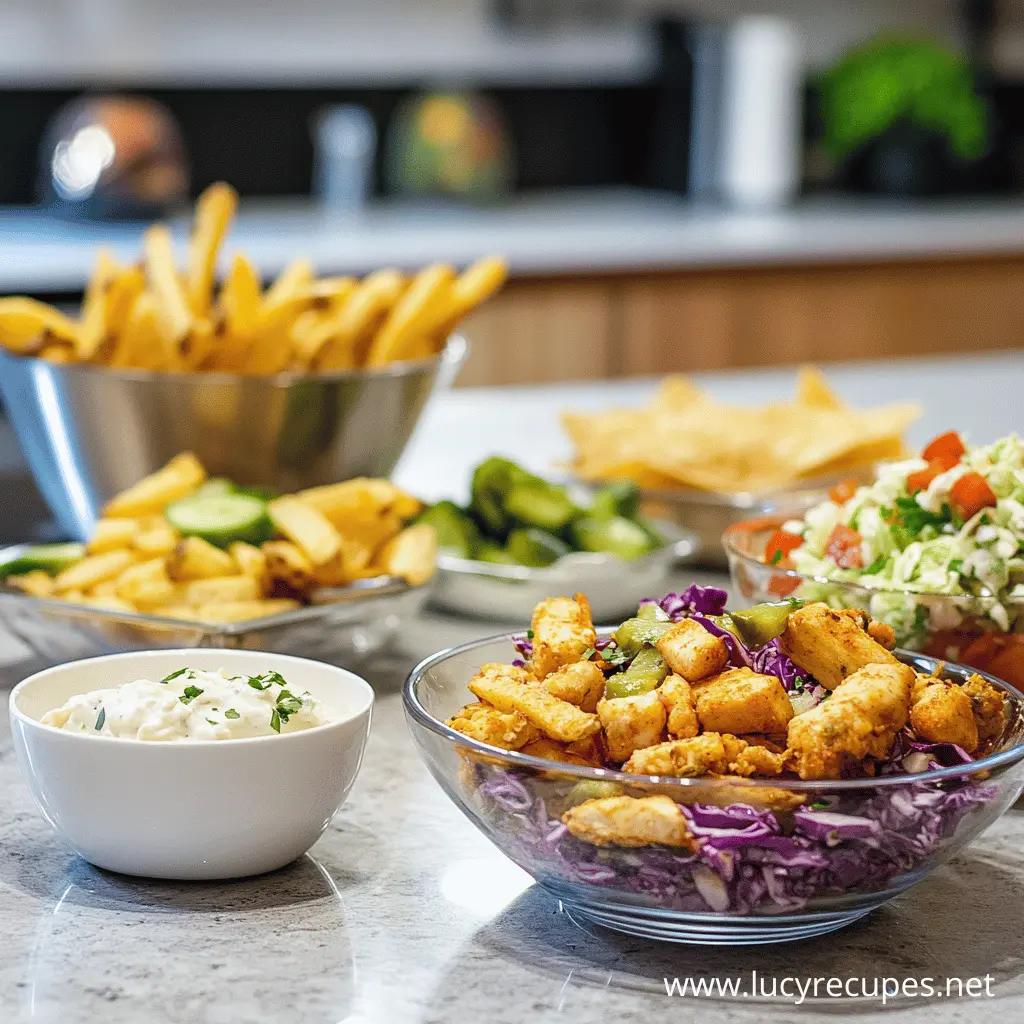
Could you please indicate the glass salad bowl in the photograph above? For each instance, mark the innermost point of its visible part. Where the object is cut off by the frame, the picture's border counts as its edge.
(778, 860)
(952, 628)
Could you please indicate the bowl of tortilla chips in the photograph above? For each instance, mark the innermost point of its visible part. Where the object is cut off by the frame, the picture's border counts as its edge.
(706, 464)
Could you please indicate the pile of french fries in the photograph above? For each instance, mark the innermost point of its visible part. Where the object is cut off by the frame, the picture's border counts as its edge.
(154, 316)
(324, 537)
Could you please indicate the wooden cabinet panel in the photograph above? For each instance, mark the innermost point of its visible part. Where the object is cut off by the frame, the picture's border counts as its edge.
(589, 328)
(537, 331)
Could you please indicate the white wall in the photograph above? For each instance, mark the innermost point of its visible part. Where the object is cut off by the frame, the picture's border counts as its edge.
(211, 41)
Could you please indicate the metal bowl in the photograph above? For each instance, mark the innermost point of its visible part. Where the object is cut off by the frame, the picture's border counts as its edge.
(709, 514)
(89, 432)
(509, 593)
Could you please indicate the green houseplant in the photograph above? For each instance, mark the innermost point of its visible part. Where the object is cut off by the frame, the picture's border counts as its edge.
(902, 115)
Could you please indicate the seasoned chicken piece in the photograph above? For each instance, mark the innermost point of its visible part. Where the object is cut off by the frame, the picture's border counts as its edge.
(552, 751)
(563, 630)
(581, 683)
(879, 631)
(686, 759)
(830, 645)
(691, 651)
(631, 723)
(741, 700)
(489, 725)
(677, 697)
(630, 821)
(990, 708)
(758, 760)
(766, 798)
(860, 719)
(943, 713)
(591, 749)
(509, 689)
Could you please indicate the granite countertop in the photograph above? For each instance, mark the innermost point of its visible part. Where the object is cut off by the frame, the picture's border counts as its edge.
(403, 913)
(566, 232)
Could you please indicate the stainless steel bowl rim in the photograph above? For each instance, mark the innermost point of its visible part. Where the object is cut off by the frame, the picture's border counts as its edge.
(748, 525)
(454, 352)
(514, 759)
(383, 586)
(681, 544)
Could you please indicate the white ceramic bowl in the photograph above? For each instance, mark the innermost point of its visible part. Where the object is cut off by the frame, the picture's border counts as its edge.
(190, 810)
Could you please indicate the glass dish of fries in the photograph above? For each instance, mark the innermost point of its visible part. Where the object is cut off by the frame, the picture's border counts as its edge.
(180, 559)
(308, 381)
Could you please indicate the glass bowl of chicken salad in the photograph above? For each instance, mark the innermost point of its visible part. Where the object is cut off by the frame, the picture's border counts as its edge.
(934, 548)
(701, 775)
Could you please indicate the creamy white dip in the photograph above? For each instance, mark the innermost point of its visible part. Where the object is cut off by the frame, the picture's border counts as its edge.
(191, 705)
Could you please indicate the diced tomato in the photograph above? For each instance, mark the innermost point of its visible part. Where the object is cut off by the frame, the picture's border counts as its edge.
(844, 491)
(844, 547)
(920, 480)
(946, 448)
(779, 545)
(782, 586)
(970, 494)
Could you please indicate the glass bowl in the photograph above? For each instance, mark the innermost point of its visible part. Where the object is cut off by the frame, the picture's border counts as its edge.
(795, 879)
(952, 628)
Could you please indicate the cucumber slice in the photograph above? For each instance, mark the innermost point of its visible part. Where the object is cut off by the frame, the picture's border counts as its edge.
(50, 558)
(621, 498)
(221, 519)
(616, 536)
(492, 553)
(456, 532)
(541, 504)
(218, 485)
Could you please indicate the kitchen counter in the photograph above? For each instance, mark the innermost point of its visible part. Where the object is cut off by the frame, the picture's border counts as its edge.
(564, 233)
(404, 914)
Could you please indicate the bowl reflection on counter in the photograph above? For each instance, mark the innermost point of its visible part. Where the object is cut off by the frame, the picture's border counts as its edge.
(89, 432)
(950, 627)
(909, 825)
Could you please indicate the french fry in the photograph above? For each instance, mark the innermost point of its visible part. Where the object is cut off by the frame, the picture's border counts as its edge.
(475, 285)
(360, 497)
(306, 527)
(36, 583)
(108, 588)
(215, 210)
(222, 589)
(55, 352)
(108, 603)
(146, 584)
(240, 298)
(172, 306)
(110, 534)
(415, 312)
(122, 294)
(251, 561)
(359, 318)
(288, 564)
(226, 612)
(27, 326)
(93, 569)
(197, 559)
(180, 477)
(141, 342)
(159, 538)
(198, 345)
(412, 555)
(95, 303)
(289, 284)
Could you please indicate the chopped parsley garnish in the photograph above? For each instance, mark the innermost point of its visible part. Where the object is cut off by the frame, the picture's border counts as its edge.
(589, 653)
(275, 720)
(101, 718)
(529, 634)
(180, 672)
(819, 805)
(287, 705)
(776, 557)
(956, 565)
(265, 681)
(211, 721)
(231, 713)
(190, 694)
(876, 566)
